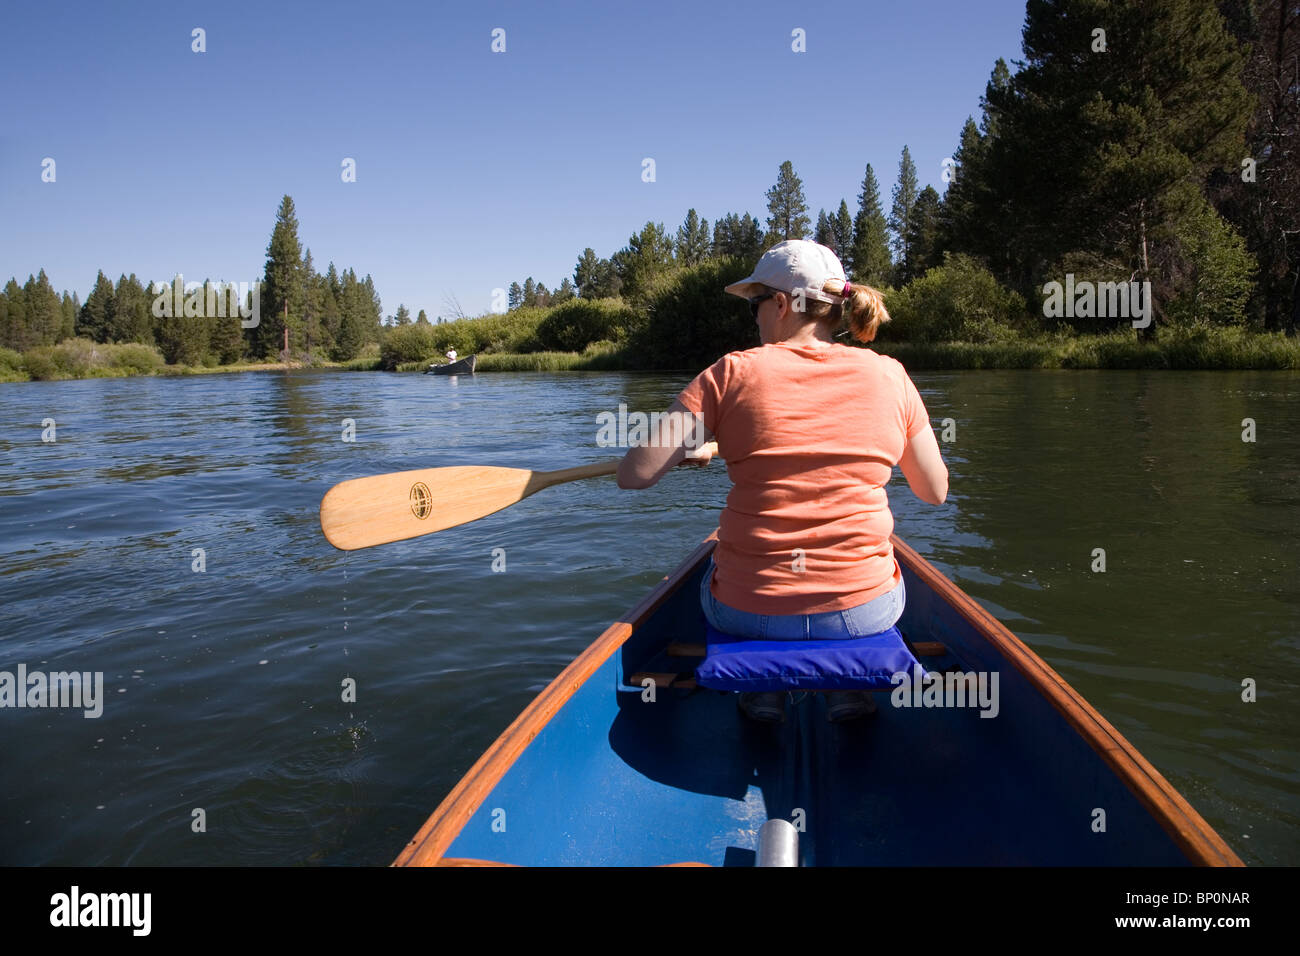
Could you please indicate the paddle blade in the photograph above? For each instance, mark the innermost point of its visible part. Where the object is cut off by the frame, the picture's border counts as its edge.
(365, 512)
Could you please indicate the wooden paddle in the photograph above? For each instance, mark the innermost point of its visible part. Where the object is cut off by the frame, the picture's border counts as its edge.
(364, 512)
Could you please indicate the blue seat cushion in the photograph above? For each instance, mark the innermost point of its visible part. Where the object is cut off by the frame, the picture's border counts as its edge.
(862, 663)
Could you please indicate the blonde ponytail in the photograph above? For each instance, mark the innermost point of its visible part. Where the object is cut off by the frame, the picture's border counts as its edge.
(864, 309)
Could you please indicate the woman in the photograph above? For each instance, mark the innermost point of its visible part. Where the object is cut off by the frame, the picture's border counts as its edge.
(810, 431)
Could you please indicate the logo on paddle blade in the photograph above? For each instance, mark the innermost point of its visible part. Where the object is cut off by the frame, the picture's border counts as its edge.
(421, 500)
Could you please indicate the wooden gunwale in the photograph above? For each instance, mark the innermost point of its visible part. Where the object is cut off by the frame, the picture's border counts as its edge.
(1196, 838)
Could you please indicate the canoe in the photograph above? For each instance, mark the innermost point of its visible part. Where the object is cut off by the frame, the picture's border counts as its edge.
(595, 772)
(463, 366)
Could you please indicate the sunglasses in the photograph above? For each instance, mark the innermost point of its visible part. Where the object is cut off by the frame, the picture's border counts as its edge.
(755, 302)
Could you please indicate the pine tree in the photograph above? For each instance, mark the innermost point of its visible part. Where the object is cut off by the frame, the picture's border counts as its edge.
(997, 87)
(723, 229)
(130, 318)
(737, 236)
(13, 333)
(515, 297)
(962, 228)
(371, 309)
(923, 245)
(973, 220)
(693, 243)
(1105, 154)
(647, 255)
(871, 260)
(422, 319)
(1267, 210)
(900, 216)
(530, 293)
(282, 286)
(226, 333)
(93, 322)
(584, 273)
(749, 237)
(44, 310)
(183, 337)
(541, 296)
(69, 307)
(313, 335)
(335, 282)
(354, 306)
(597, 280)
(823, 233)
(403, 316)
(786, 208)
(331, 290)
(565, 292)
(842, 230)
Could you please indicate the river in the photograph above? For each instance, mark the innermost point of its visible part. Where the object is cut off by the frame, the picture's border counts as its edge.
(168, 537)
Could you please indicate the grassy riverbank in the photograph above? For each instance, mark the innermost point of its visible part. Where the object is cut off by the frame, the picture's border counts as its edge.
(1215, 349)
(1184, 349)
(600, 357)
(81, 358)
(1181, 349)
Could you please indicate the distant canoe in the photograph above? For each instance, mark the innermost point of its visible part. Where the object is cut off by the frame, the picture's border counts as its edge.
(596, 771)
(464, 366)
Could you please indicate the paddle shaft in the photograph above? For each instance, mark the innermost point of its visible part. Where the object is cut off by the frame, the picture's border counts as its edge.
(545, 479)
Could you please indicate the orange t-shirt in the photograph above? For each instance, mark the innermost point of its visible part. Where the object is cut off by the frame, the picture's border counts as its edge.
(810, 436)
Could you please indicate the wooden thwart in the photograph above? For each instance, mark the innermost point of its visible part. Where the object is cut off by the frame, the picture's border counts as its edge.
(682, 649)
(661, 679)
(929, 649)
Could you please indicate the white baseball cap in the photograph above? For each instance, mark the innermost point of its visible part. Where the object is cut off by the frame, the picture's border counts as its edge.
(793, 266)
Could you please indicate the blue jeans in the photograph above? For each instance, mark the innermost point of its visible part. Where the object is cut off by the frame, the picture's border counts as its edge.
(861, 621)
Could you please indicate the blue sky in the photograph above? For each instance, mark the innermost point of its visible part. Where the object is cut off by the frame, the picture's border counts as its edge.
(474, 168)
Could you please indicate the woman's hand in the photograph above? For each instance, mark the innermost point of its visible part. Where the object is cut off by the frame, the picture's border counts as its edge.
(700, 457)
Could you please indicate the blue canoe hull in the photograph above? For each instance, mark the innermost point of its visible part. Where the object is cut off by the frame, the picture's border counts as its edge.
(593, 773)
